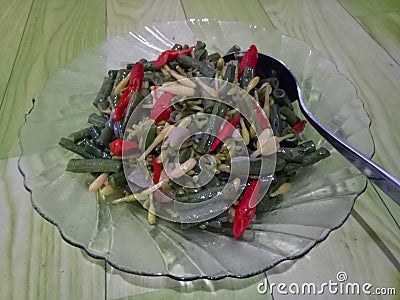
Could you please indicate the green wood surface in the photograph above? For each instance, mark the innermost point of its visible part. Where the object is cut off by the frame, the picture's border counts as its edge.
(381, 19)
(15, 13)
(40, 36)
(55, 32)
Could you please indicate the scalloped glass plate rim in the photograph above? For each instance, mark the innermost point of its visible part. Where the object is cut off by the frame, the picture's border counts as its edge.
(264, 269)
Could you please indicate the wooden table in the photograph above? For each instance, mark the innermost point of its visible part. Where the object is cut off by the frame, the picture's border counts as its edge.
(40, 36)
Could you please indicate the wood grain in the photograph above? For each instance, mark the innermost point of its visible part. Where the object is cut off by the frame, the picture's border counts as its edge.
(224, 289)
(40, 36)
(124, 15)
(139, 287)
(349, 249)
(35, 263)
(245, 11)
(56, 32)
(370, 7)
(381, 19)
(385, 29)
(13, 17)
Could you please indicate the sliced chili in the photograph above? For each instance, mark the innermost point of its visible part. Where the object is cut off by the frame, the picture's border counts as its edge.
(299, 126)
(169, 55)
(157, 170)
(134, 85)
(225, 132)
(247, 207)
(261, 119)
(249, 59)
(162, 108)
(119, 146)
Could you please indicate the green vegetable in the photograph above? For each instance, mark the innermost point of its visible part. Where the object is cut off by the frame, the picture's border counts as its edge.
(97, 120)
(133, 103)
(214, 57)
(149, 133)
(281, 98)
(201, 54)
(219, 110)
(79, 135)
(122, 73)
(290, 116)
(117, 179)
(315, 156)
(177, 47)
(105, 90)
(106, 135)
(190, 62)
(205, 195)
(248, 74)
(93, 150)
(71, 146)
(199, 45)
(275, 120)
(255, 165)
(296, 154)
(308, 159)
(234, 49)
(97, 165)
(94, 132)
(184, 155)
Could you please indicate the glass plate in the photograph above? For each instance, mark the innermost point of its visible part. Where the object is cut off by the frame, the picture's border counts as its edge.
(321, 198)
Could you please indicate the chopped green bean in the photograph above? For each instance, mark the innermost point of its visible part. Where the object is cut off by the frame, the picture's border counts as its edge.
(117, 179)
(133, 103)
(275, 120)
(79, 135)
(100, 165)
(97, 120)
(234, 49)
(290, 116)
(248, 74)
(190, 62)
(106, 135)
(94, 150)
(281, 98)
(105, 91)
(219, 111)
(71, 146)
(214, 57)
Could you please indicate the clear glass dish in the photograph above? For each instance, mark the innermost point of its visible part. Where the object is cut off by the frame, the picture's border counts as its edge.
(320, 201)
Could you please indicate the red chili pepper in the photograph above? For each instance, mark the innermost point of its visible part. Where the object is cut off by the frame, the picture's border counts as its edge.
(249, 59)
(169, 55)
(261, 119)
(226, 131)
(247, 207)
(162, 108)
(299, 126)
(119, 146)
(157, 170)
(134, 85)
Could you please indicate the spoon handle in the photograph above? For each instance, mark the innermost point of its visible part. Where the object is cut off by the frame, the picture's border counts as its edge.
(375, 173)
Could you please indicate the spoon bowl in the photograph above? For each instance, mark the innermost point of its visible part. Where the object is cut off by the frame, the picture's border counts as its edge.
(268, 66)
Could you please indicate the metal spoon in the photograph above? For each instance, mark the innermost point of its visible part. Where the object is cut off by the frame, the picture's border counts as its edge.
(387, 182)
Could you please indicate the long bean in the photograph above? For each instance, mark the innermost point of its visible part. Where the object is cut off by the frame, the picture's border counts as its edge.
(71, 146)
(109, 139)
(96, 165)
